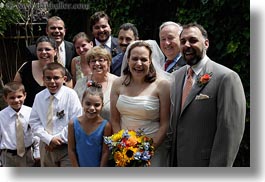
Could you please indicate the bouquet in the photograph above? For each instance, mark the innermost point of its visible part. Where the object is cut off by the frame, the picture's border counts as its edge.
(130, 148)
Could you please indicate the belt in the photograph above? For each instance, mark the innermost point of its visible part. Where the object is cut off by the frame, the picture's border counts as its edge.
(14, 152)
(64, 145)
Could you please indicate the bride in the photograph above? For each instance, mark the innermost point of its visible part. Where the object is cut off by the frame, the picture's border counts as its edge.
(140, 97)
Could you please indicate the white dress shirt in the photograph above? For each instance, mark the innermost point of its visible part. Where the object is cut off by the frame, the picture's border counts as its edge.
(66, 102)
(8, 129)
(107, 44)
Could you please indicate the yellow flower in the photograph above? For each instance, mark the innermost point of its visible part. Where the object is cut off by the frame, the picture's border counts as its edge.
(130, 148)
(120, 159)
(116, 137)
(128, 153)
(132, 133)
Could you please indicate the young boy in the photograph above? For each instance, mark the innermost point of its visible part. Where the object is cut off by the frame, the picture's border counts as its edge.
(14, 123)
(51, 111)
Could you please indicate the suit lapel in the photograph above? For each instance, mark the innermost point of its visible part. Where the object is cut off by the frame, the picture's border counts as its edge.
(66, 53)
(181, 62)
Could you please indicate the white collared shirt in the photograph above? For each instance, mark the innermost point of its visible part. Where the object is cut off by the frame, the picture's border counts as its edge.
(197, 69)
(62, 53)
(107, 44)
(66, 101)
(8, 129)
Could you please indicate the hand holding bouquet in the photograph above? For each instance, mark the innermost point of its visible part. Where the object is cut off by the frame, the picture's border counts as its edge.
(130, 148)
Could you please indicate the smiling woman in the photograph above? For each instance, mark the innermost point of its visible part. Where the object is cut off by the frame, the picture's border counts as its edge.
(140, 98)
(99, 60)
(31, 72)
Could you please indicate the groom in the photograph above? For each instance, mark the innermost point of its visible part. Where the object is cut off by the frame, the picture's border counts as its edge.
(208, 128)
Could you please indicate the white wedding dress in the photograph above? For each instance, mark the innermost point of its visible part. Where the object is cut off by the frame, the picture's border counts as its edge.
(143, 112)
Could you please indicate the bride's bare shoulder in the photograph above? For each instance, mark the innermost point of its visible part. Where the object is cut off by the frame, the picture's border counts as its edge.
(162, 82)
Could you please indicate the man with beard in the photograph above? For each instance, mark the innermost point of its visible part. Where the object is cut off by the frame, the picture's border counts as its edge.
(127, 34)
(66, 52)
(207, 123)
(100, 27)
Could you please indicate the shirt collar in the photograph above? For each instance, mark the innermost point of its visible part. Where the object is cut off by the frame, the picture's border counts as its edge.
(198, 67)
(57, 96)
(107, 43)
(11, 112)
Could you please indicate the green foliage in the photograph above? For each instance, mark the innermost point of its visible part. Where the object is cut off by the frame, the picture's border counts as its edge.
(10, 13)
(119, 11)
(226, 21)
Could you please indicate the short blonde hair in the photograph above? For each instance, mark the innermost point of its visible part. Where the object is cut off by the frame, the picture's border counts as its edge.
(98, 51)
(13, 86)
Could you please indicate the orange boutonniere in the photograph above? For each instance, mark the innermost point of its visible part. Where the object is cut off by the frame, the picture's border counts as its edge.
(204, 79)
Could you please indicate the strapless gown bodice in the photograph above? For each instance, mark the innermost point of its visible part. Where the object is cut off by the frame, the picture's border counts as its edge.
(139, 112)
(143, 112)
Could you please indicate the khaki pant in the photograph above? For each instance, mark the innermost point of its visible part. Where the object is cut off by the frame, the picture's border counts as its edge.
(57, 158)
(13, 160)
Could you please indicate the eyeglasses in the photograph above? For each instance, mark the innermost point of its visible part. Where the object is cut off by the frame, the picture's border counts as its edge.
(93, 61)
(44, 49)
(55, 78)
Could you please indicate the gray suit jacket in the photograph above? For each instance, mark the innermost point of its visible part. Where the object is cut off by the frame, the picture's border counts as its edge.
(207, 132)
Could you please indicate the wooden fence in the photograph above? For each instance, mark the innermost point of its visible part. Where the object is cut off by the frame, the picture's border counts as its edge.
(13, 45)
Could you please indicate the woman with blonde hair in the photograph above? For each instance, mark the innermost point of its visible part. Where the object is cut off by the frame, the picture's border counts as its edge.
(99, 60)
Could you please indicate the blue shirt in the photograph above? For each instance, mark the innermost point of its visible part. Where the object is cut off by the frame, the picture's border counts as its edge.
(174, 62)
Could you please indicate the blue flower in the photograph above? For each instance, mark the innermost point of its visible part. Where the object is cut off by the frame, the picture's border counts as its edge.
(146, 146)
(108, 142)
(146, 156)
(137, 156)
(125, 134)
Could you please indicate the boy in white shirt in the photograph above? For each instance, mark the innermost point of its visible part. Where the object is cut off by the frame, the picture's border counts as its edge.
(14, 123)
(53, 128)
